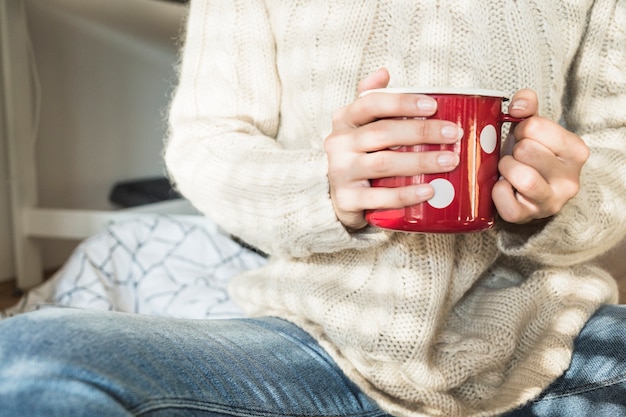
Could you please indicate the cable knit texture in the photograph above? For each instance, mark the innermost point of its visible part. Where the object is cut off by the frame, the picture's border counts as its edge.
(428, 325)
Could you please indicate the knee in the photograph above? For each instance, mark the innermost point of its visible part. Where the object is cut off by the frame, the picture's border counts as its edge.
(41, 333)
(27, 344)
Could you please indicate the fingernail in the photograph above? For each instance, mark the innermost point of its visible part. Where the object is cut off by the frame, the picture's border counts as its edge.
(452, 132)
(424, 191)
(519, 104)
(448, 160)
(426, 104)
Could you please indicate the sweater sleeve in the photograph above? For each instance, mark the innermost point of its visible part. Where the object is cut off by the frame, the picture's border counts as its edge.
(222, 153)
(594, 220)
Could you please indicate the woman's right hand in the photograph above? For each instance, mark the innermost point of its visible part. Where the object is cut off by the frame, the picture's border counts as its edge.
(359, 149)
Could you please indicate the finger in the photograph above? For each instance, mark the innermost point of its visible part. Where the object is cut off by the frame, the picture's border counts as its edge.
(536, 155)
(526, 180)
(510, 208)
(389, 133)
(524, 103)
(377, 198)
(382, 105)
(565, 145)
(378, 79)
(385, 164)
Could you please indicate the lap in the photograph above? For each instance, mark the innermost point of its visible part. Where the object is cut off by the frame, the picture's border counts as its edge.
(117, 364)
(138, 365)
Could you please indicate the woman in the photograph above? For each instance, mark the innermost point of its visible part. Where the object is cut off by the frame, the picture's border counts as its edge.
(352, 319)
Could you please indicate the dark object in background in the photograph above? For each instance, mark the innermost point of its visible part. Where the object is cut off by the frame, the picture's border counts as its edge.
(143, 191)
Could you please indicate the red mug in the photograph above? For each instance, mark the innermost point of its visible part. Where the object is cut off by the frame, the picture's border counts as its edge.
(462, 201)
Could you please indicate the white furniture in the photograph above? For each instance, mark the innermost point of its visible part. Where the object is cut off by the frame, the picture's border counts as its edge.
(18, 131)
(19, 107)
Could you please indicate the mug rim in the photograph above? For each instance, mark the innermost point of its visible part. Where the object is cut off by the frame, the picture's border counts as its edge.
(438, 90)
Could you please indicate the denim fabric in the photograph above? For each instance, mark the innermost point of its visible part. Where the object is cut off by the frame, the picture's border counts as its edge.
(68, 362)
(595, 383)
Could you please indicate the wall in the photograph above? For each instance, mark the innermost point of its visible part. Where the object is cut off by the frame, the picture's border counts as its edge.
(105, 70)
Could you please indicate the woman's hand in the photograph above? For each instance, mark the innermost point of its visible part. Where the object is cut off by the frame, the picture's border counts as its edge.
(358, 149)
(543, 171)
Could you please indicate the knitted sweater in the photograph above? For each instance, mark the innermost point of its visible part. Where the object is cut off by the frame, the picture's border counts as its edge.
(426, 324)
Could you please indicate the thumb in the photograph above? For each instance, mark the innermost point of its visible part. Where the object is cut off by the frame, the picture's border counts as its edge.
(378, 79)
(524, 104)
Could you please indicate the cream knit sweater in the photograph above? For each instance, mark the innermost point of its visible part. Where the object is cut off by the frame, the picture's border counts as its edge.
(428, 325)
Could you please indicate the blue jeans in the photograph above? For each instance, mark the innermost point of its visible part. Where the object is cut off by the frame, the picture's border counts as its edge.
(68, 362)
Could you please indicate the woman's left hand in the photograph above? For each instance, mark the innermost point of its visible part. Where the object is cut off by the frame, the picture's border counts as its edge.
(542, 173)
